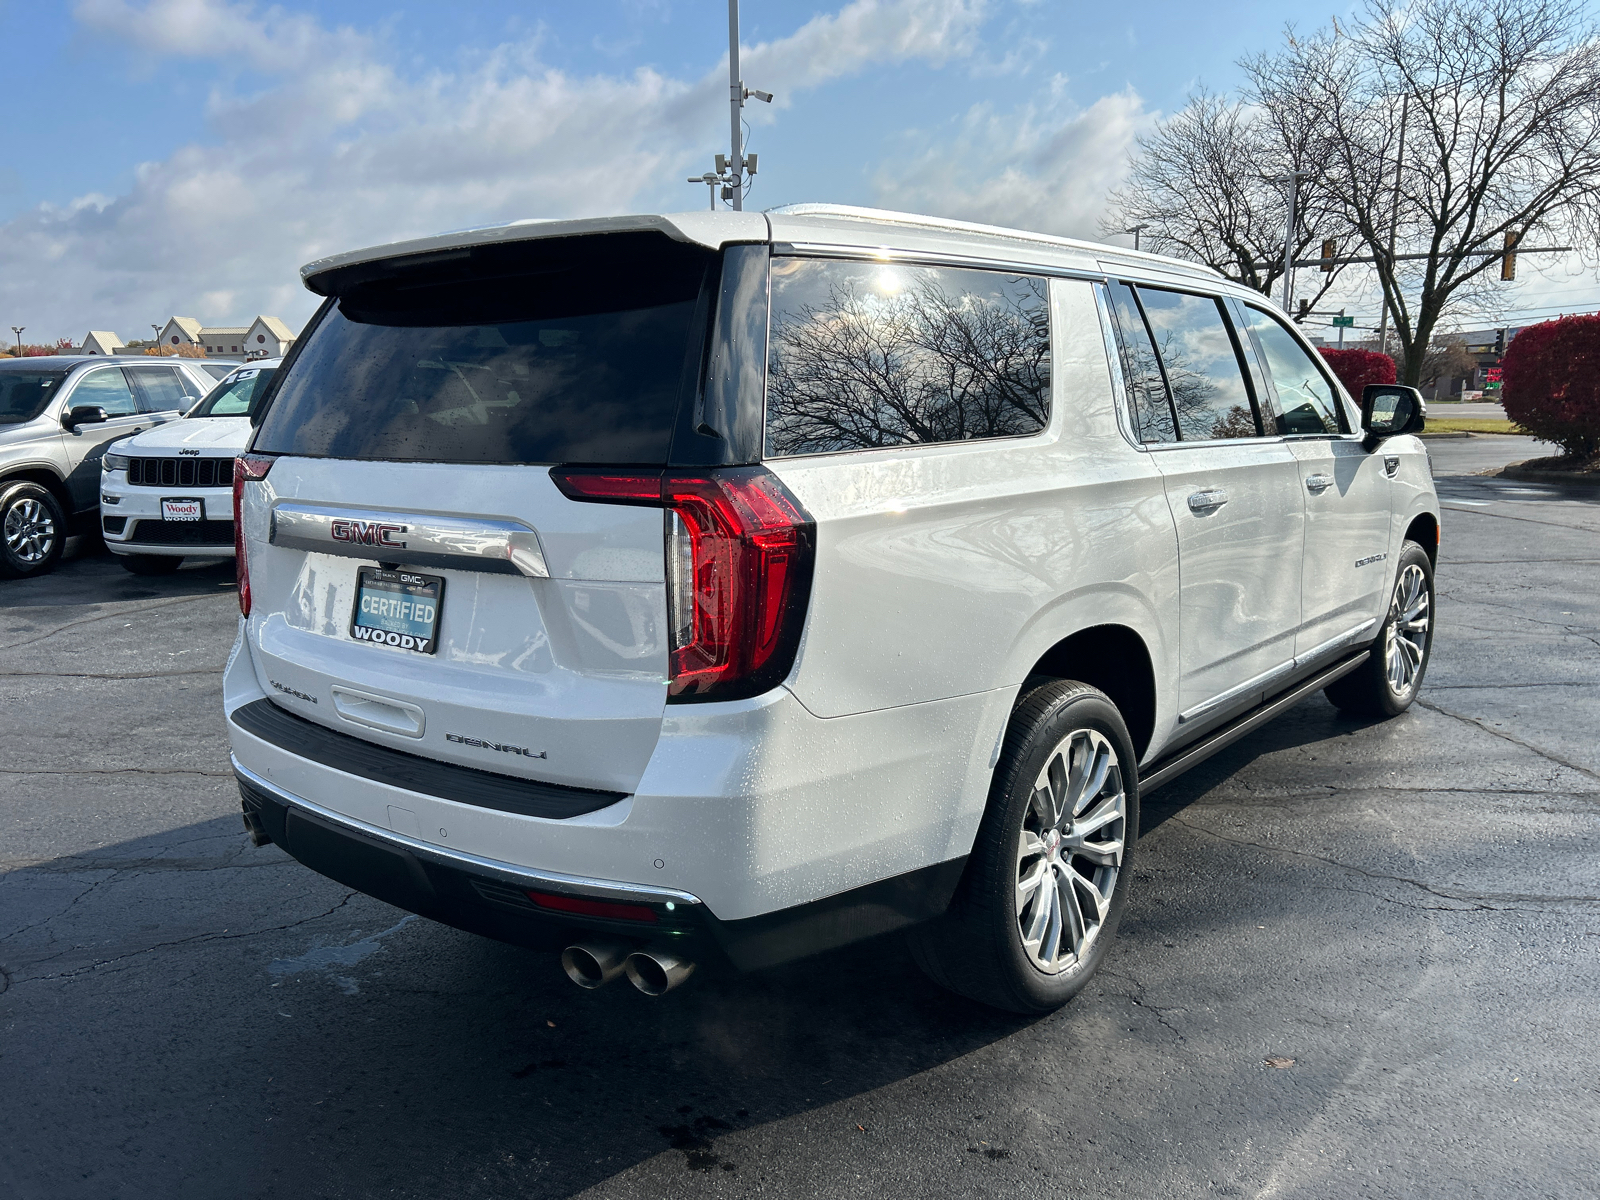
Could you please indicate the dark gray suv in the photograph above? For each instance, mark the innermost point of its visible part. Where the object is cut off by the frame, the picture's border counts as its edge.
(57, 415)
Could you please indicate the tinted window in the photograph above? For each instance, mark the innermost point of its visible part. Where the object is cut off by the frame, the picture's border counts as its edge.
(106, 388)
(525, 357)
(1306, 402)
(1147, 390)
(863, 355)
(1208, 389)
(235, 397)
(23, 394)
(161, 389)
(216, 370)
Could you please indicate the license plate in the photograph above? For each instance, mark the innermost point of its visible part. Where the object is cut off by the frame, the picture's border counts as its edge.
(397, 608)
(183, 510)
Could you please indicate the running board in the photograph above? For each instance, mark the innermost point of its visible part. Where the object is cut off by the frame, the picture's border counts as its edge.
(1169, 770)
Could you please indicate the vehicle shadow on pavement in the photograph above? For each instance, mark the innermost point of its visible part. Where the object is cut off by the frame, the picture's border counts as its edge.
(95, 576)
(1314, 720)
(296, 1038)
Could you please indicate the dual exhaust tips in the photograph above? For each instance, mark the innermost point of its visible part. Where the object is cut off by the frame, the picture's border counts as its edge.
(654, 972)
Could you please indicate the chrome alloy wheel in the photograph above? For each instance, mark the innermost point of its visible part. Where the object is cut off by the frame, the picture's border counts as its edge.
(1070, 850)
(1406, 642)
(30, 532)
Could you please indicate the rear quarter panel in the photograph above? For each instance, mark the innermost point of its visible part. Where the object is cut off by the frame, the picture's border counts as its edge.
(949, 570)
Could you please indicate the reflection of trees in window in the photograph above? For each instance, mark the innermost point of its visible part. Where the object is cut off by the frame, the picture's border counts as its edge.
(954, 355)
(1208, 389)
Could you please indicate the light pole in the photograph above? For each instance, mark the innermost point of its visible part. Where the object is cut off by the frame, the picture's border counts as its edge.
(732, 169)
(1136, 231)
(155, 337)
(17, 329)
(1394, 220)
(1293, 179)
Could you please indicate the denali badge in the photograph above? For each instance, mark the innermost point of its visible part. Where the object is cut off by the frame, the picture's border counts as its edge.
(366, 533)
(1370, 559)
(289, 691)
(483, 745)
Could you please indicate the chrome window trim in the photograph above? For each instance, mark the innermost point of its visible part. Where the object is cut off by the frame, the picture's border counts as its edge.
(928, 258)
(557, 881)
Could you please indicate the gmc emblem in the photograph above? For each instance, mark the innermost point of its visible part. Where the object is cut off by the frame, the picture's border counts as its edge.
(367, 533)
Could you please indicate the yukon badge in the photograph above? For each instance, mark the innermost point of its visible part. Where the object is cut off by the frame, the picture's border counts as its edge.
(367, 533)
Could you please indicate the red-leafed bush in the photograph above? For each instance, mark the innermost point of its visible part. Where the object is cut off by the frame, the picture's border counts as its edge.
(1550, 383)
(1357, 368)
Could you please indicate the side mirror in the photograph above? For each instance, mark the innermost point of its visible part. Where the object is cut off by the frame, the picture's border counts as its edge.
(84, 414)
(1389, 409)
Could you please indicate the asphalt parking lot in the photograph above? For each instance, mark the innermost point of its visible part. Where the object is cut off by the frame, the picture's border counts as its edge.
(1408, 911)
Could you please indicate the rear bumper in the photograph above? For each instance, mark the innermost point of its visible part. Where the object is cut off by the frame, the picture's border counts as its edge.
(492, 898)
(753, 808)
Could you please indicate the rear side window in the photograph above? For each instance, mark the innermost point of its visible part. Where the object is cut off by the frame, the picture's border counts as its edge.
(866, 355)
(569, 353)
(1306, 402)
(1147, 389)
(1209, 395)
(161, 389)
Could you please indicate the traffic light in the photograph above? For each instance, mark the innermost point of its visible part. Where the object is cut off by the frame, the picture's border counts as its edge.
(1330, 250)
(1508, 263)
(1303, 312)
(1499, 341)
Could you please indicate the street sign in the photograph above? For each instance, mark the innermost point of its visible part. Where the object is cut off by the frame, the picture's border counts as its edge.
(1344, 322)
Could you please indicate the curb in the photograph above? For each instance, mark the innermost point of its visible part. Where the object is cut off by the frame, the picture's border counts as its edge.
(1527, 475)
(1434, 437)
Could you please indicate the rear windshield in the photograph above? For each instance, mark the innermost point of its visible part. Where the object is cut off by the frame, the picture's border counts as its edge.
(23, 394)
(235, 396)
(576, 355)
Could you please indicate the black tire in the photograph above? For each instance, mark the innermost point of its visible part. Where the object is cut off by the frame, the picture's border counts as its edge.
(150, 564)
(978, 948)
(33, 530)
(1370, 690)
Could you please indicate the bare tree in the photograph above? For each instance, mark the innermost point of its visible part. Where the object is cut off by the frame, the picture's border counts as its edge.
(928, 365)
(1210, 185)
(1496, 104)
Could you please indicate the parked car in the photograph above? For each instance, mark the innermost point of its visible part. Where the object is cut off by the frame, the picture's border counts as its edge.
(57, 415)
(736, 586)
(167, 494)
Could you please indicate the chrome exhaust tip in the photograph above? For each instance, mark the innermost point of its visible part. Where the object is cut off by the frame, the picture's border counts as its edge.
(594, 964)
(657, 972)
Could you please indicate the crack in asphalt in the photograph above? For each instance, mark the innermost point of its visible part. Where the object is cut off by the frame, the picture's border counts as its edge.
(1465, 897)
(1515, 741)
(199, 938)
(1478, 512)
(1156, 1010)
(106, 616)
(1483, 687)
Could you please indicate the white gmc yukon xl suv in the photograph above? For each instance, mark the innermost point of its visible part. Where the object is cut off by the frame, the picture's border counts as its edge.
(732, 586)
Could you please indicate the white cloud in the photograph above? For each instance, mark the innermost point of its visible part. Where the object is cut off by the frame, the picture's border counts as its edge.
(345, 148)
(1046, 166)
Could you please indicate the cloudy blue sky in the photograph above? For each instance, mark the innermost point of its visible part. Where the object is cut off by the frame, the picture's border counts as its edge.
(188, 155)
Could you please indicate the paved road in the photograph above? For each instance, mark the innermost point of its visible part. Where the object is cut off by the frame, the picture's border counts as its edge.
(1410, 911)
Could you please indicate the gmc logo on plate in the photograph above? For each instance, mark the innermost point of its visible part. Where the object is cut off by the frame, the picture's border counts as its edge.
(367, 533)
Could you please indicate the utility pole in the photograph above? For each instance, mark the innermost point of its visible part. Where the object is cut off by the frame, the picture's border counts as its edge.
(1394, 220)
(17, 329)
(1293, 179)
(155, 337)
(732, 169)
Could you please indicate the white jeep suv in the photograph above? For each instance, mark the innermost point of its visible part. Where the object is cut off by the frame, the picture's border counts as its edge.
(167, 493)
(732, 586)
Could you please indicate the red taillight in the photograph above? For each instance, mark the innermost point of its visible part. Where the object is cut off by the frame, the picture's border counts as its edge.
(246, 468)
(594, 908)
(739, 554)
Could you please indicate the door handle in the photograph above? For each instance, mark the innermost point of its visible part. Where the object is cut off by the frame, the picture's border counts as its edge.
(1207, 501)
(1319, 482)
(1390, 466)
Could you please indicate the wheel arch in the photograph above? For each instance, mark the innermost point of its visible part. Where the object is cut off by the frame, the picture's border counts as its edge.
(1424, 530)
(1115, 659)
(45, 478)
